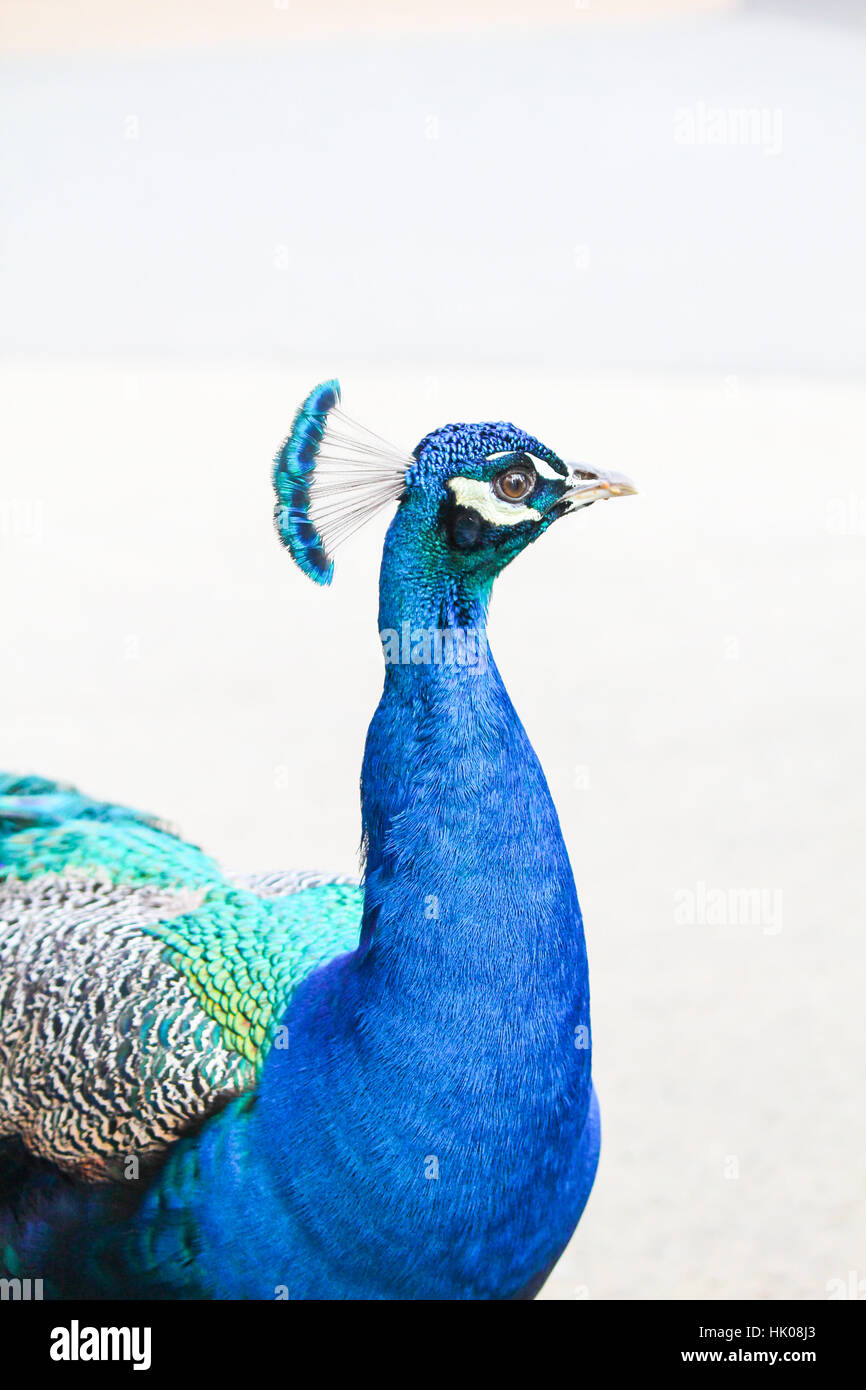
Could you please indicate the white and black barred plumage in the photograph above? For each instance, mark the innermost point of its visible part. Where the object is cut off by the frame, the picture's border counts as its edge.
(106, 1054)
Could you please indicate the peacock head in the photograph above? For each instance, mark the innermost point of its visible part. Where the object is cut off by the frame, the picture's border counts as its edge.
(471, 496)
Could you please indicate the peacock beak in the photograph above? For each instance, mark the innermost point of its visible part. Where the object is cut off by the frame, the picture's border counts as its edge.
(587, 485)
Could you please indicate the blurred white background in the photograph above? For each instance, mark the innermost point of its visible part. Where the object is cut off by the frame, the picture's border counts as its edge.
(636, 230)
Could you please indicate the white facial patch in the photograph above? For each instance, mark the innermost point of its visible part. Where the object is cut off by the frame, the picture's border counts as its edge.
(479, 497)
(544, 470)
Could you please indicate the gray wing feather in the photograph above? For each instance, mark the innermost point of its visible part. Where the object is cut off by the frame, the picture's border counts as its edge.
(281, 882)
(104, 1050)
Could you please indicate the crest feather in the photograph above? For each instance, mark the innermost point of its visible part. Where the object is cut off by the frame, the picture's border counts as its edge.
(331, 476)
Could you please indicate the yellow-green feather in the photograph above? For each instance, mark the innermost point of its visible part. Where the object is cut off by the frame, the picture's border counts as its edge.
(243, 955)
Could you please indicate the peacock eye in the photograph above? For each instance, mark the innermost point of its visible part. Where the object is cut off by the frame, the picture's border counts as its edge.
(514, 484)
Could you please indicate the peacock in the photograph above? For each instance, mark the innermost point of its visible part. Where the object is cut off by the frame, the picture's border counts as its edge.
(302, 1086)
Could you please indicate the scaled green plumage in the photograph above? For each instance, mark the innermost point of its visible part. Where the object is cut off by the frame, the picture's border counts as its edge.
(187, 973)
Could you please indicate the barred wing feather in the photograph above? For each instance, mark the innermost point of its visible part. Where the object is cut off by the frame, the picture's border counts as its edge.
(140, 988)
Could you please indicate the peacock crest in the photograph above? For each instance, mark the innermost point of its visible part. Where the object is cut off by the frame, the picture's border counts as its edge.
(331, 476)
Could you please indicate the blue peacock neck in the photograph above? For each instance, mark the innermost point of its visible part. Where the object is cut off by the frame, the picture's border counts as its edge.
(461, 1023)
(468, 882)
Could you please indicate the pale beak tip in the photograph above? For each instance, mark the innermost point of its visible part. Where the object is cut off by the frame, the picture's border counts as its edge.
(622, 487)
(600, 485)
(586, 485)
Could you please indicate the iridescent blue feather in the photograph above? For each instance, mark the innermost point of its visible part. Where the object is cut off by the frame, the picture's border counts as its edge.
(293, 471)
(331, 475)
